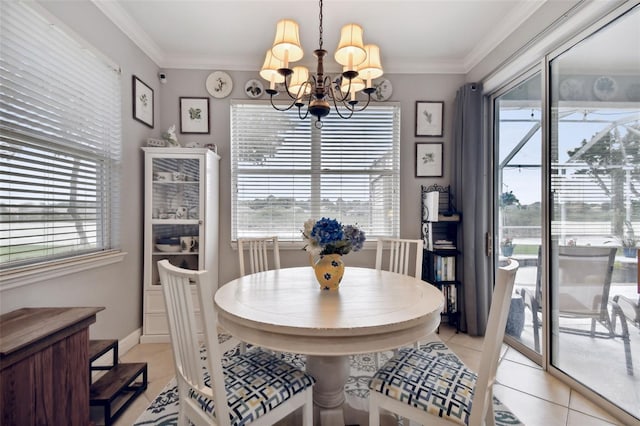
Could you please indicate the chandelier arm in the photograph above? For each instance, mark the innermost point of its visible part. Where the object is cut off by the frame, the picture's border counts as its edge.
(281, 109)
(352, 107)
(344, 117)
(286, 89)
(333, 96)
(300, 105)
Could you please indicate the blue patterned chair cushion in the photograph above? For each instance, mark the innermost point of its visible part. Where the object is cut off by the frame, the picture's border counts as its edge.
(256, 383)
(429, 382)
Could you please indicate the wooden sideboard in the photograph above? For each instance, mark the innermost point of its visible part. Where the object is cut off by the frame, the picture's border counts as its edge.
(44, 358)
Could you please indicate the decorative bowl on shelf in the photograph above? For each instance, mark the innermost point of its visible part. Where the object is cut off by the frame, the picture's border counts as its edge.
(168, 240)
(169, 248)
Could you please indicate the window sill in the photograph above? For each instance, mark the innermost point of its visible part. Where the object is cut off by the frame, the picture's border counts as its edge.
(19, 277)
(294, 245)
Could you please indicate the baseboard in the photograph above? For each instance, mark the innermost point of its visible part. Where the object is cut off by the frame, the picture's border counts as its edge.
(155, 338)
(129, 341)
(124, 346)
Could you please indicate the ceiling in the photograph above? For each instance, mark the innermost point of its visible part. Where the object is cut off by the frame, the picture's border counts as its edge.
(420, 36)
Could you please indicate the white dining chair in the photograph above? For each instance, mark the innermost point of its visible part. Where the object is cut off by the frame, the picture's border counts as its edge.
(400, 252)
(254, 387)
(430, 389)
(257, 254)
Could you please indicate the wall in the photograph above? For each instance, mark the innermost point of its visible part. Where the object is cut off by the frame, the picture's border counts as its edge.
(118, 287)
(407, 88)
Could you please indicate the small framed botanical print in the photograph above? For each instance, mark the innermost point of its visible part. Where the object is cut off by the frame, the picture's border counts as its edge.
(429, 118)
(142, 102)
(429, 159)
(194, 115)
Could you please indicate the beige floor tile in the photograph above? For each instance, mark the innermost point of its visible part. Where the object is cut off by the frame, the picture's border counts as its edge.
(581, 404)
(470, 357)
(533, 381)
(577, 418)
(446, 332)
(515, 356)
(531, 410)
(134, 411)
(462, 339)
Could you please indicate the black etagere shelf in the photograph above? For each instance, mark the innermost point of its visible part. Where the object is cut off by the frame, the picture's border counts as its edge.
(441, 257)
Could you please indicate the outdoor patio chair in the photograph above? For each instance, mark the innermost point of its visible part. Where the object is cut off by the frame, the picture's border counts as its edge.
(433, 390)
(254, 387)
(584, 282)
(630, 309)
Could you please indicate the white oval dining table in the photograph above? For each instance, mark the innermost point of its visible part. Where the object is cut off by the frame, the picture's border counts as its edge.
(285, 310)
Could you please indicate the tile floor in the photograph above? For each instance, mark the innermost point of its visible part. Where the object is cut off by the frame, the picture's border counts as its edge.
(537, 398)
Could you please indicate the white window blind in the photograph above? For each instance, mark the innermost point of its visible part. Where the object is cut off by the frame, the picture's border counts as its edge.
(60, 142)
(285, 171)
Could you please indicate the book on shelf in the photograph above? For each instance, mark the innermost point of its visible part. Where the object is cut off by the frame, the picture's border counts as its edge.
(444, 268)
(444, 245)
(449, 292)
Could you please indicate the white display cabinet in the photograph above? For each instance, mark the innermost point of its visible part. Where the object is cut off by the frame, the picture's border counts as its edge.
(180, 224)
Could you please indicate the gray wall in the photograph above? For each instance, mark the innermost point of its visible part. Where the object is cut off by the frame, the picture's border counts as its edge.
(118, 287)
(407, 88)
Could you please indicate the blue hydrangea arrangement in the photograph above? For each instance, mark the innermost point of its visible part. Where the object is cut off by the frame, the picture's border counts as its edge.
(328, 236)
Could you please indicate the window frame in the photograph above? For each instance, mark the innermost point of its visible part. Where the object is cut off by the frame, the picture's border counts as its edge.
(316, 170)
(101, 155)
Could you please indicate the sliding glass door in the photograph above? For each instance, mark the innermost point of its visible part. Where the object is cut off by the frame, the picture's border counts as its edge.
(566, 138)
(594, 181)
(518, 146)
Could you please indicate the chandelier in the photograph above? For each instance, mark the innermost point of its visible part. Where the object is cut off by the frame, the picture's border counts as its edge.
(360, 65)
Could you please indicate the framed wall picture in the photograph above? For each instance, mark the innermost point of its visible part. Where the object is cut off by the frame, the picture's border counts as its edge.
(194, 115)
(142, 102)
(429, 159)
(429, 118)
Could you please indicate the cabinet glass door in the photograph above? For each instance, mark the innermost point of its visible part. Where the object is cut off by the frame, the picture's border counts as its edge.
(176, 211)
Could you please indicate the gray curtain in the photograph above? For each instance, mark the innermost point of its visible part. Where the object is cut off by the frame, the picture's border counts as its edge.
(472, 195)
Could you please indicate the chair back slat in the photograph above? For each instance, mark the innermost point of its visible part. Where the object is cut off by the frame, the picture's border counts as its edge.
(400, 252)
(177, 289)
(257, 252)
(500, 302)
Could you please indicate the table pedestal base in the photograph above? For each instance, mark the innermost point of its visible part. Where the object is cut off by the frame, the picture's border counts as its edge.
(331, 408)
(331, 373)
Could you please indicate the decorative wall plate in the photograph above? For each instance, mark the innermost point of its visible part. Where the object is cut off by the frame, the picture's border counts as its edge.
(219, 84)
(572, 89)
(253, 88)
(633, 92)
(605, 88)
(384, 89)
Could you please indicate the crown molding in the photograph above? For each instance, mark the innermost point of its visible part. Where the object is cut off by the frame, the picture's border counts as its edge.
(511, 22)
(131, 29)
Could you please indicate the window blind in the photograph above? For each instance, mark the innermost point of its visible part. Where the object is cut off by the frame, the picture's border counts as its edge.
(285, 170)
(60, 142)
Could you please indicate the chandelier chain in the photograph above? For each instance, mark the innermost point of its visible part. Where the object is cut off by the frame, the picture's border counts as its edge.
(320, 24)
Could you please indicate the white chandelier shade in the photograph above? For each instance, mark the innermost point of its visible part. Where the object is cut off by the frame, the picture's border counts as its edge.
(360, 63)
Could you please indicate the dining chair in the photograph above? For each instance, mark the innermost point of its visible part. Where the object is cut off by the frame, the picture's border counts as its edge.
(254, 387)
(399, 255)
(431, 389)
(257, 253)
